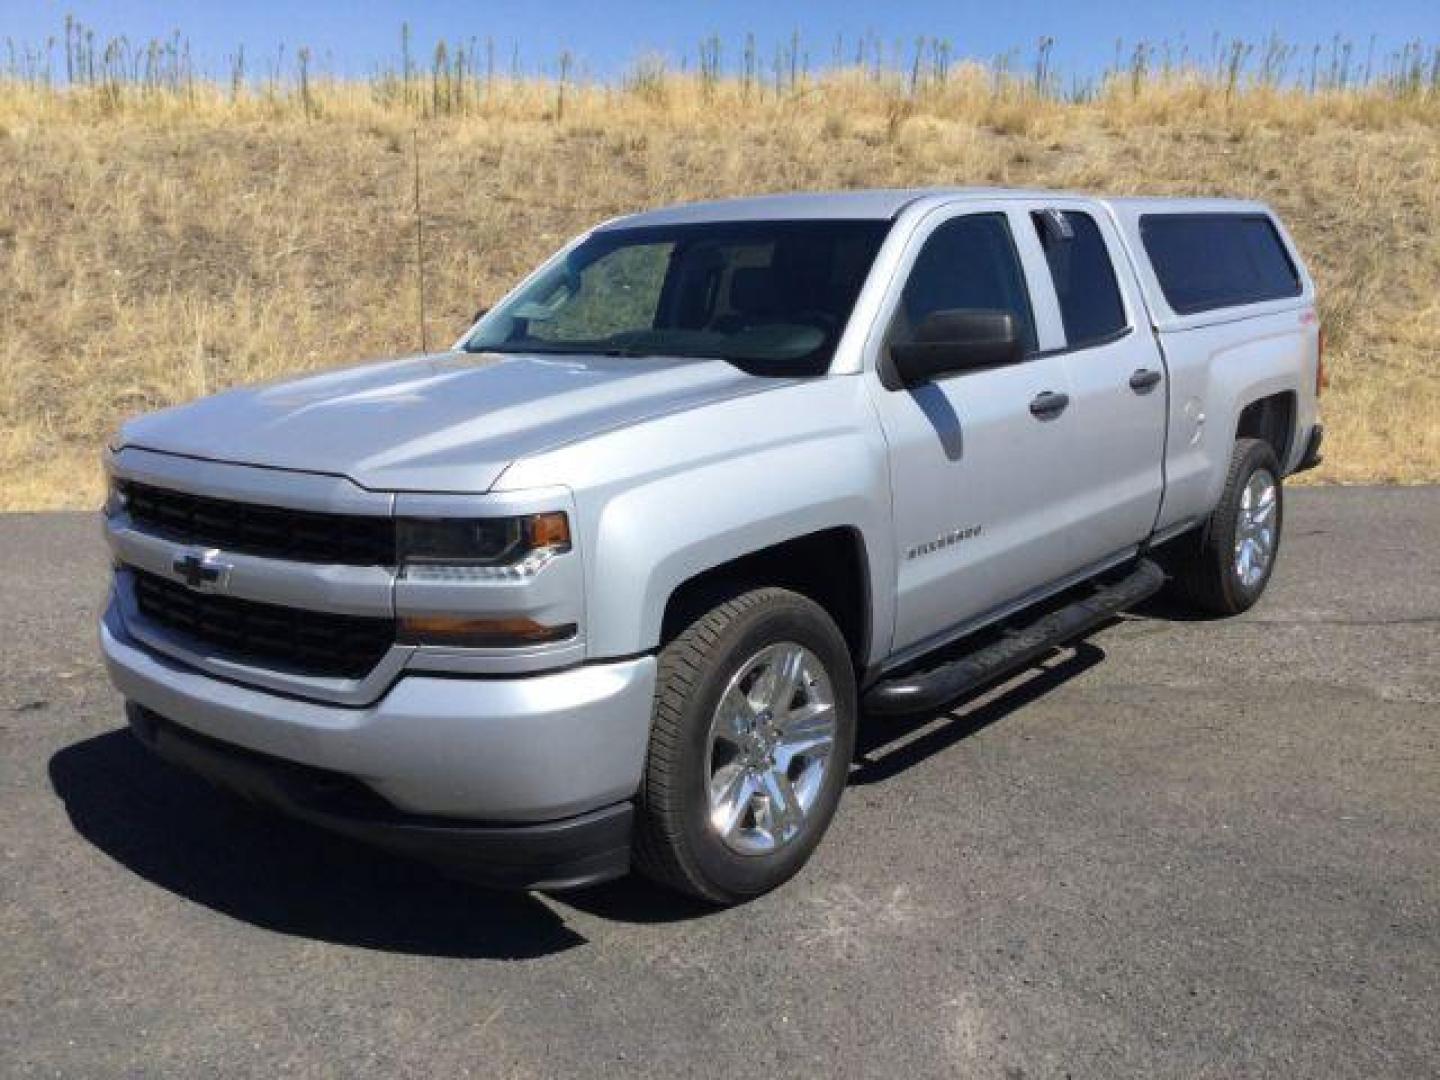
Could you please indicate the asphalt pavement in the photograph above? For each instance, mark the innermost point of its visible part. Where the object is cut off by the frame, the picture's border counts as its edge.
(1183, 848)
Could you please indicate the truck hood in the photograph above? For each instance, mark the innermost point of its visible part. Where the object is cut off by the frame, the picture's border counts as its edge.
(447, 422)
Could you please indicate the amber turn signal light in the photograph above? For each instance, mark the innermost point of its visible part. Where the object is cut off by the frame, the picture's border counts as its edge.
(478, 633)
(550, 530)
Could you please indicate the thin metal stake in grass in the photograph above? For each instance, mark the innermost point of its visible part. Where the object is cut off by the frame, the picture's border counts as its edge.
(420, 246)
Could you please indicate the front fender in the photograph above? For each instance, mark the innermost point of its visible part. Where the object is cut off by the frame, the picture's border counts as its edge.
(675, 496)
(654, 538)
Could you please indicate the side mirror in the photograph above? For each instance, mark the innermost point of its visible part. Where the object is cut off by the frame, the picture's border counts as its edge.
(956, 340)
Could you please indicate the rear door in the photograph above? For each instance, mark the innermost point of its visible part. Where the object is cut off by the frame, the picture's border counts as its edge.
(1116, 377)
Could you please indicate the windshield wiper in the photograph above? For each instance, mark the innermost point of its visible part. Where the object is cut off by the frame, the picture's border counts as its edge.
(633, 354)
(532, 349)
(574, 350)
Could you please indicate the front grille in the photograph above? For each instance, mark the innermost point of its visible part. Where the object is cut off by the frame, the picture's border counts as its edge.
(312, 643)
(254, 529)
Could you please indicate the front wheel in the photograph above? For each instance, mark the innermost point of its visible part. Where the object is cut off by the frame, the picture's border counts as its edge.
(1225, 566)
(750, 745)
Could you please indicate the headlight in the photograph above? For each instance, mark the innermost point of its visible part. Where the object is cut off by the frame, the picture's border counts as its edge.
(441, 551)
(461, 548)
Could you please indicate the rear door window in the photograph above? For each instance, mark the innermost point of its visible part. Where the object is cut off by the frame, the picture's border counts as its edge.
(1207, 261)
(1085, 285)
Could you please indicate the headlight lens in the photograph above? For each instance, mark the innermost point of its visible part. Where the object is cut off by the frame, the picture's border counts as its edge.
(451, 546)
(472, 550)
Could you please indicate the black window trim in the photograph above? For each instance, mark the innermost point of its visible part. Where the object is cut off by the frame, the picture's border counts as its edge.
(1240, 215)
(1094, 343)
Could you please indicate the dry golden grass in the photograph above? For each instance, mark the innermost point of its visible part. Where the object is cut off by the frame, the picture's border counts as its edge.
(158, 247)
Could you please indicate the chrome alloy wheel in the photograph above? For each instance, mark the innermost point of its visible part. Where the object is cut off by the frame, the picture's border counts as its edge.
(1255, 530)
(769, 747)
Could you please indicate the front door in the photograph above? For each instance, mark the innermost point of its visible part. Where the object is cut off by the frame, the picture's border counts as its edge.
(977, 459)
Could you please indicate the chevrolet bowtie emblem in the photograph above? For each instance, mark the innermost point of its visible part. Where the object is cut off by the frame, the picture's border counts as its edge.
(201, 572)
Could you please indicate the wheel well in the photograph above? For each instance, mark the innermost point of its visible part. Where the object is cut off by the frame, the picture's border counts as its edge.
(827, 566)
(1271, 419)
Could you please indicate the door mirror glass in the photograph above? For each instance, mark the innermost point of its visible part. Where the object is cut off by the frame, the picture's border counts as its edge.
(956, 340)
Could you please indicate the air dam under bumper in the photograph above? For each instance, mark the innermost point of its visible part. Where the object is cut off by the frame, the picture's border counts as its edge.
(563, 854)
(512, 755)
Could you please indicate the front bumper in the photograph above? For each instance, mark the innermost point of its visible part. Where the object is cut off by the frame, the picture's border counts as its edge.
(570, 853)
(507, 752)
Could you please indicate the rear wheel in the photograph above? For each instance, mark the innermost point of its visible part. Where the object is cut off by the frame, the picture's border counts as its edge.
(1225, 567)
(753, 731)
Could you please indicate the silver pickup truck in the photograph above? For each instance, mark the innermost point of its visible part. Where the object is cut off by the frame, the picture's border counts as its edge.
(611, 582)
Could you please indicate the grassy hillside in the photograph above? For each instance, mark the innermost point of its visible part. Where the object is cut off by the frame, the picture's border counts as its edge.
(161, 243)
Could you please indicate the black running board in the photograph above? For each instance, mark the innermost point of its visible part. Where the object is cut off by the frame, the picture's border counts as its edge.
(1025, 644)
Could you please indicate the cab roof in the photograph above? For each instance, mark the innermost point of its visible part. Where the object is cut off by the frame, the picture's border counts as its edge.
(876, 204)
(883, 204)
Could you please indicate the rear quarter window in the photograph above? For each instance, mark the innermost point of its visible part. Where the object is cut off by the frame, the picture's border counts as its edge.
(1208, 261)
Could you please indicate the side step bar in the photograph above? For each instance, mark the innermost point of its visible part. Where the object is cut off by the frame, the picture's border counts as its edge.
(923, 690)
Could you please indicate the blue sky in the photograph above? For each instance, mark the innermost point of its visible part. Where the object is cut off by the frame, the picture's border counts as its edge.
(356, 38)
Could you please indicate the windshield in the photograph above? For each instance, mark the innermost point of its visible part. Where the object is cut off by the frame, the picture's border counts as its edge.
(769, 296)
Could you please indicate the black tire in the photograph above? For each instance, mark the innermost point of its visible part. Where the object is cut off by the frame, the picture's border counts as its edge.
(1204, 564)
(675, 845)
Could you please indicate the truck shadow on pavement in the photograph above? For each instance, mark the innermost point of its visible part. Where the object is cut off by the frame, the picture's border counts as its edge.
(174, 830)
(888, 746)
